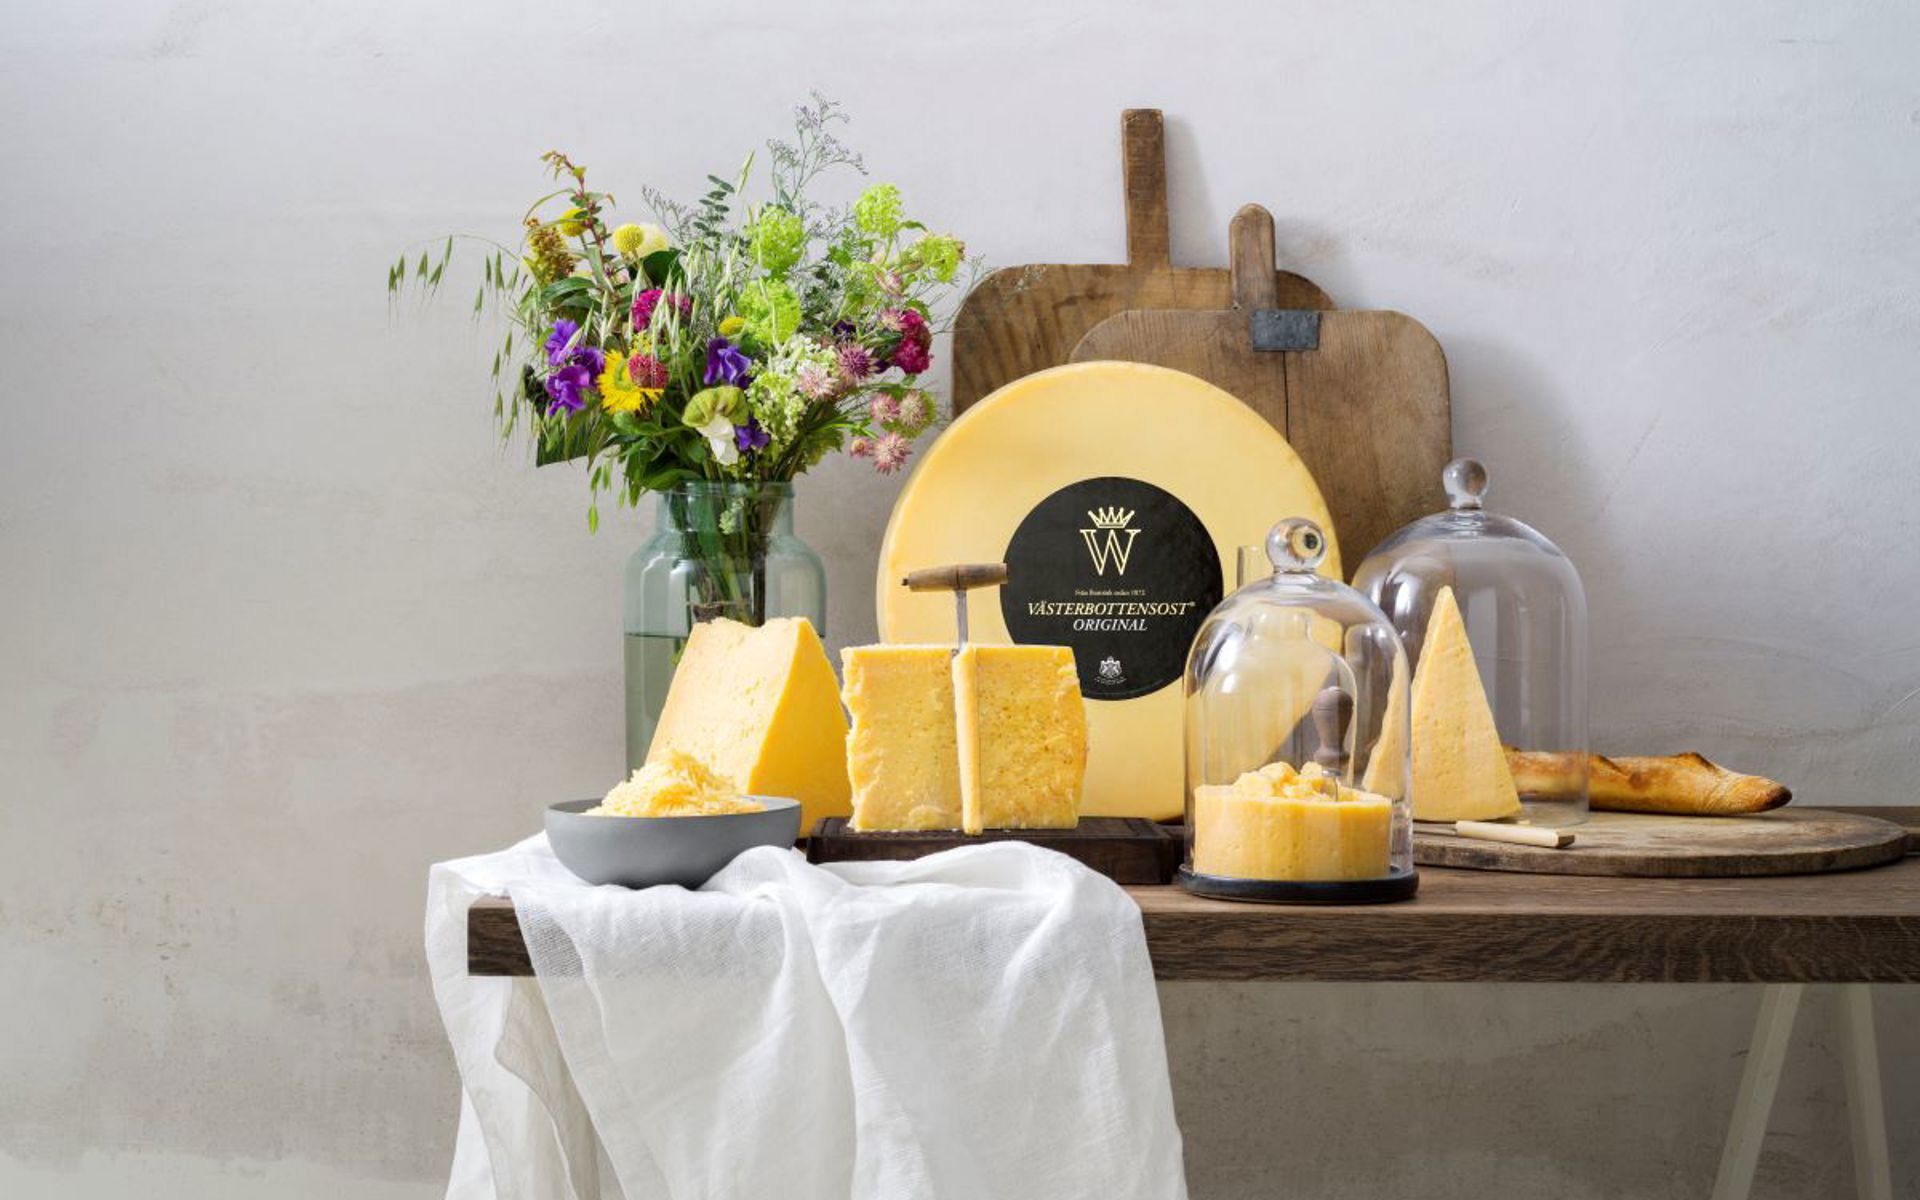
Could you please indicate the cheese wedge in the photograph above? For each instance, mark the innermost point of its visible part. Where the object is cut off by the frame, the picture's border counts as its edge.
(1460, 768)
(1022, 732)
(901, 755)
(761, 707)
(1275, 823)
(1387, 765)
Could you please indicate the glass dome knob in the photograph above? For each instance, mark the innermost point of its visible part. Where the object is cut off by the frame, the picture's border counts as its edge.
(1296, 544)
(1466, 481)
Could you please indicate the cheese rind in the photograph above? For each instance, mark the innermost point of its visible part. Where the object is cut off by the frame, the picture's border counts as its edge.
(986, 473)
(901, 755)
(1279, 824)
(1021, 727)
(1460, 769)
(761, 706)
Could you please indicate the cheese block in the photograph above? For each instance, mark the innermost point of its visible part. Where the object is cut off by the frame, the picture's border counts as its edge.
(901, 755)
(1022, 732)
(1460, 768)
(761, 707)
(1118, 494)
(1278, 824)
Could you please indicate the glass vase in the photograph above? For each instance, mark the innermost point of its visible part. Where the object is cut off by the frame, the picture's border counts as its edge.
(719, 550)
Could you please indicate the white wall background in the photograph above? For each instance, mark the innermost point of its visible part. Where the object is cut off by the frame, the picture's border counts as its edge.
(280, 622)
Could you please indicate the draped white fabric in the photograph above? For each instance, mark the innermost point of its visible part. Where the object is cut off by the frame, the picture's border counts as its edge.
(977, 1024)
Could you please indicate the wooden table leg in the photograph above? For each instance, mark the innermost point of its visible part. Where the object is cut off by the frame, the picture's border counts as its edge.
(1766, 1055)
(1866, 1106)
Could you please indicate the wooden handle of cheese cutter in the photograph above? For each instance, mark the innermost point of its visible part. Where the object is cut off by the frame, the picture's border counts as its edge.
(1519, 835)
(955, 577)
(1143, 163)
(1251, 259)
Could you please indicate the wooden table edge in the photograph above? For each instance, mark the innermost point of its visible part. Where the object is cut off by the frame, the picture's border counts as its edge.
(1488, 927)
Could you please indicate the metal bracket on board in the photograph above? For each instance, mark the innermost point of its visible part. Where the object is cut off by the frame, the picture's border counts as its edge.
(1283, 329)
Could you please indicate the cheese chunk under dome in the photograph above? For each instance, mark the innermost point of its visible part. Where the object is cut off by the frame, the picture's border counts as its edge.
(1119, 495)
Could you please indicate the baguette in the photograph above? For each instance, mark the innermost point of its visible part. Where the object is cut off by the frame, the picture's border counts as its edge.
(1677, 784)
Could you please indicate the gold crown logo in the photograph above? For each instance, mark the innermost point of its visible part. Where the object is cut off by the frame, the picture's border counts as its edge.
(1110, 518)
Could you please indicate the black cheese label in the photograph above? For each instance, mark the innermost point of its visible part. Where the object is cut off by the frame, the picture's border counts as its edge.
(1121, 571)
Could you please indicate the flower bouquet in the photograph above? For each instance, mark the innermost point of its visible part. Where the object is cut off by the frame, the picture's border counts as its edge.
(717, 353)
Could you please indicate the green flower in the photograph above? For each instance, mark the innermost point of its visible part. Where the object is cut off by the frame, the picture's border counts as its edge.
(776, 240)
(709, 403)
(771, 310)
(939, 254)
(878, 210)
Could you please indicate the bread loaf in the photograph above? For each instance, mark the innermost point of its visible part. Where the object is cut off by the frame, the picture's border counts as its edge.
(1677, 784)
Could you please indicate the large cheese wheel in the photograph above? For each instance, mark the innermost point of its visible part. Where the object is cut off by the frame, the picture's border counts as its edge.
(1119, 495)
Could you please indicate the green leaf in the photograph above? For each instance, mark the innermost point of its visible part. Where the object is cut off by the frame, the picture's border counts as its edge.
(593, 518)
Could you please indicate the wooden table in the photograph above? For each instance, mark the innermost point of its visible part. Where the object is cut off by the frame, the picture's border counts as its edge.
(1852, 928)
(1491, 927)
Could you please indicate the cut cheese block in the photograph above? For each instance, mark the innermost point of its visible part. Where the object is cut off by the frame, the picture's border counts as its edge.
(1275, 824)
(1022, 732)
(1114, 492)
(1460, 768)
(901, 753)
(761, 707)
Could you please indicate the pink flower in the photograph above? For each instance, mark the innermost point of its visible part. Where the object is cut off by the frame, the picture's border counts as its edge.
(885, 409)
(817, 382)
(860, 447)
(911, 357)
(916, 409)
(856, 362)
(647, 371)
(890, 453)
(909, 324)
(647, 301)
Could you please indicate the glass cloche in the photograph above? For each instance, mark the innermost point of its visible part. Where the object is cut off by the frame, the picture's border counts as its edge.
(1297, 740)
(1467, 588)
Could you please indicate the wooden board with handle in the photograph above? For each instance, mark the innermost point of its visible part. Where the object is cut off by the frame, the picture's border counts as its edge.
(1786, 842)
(1019, 320)
(1362, 396)
(1127, 850)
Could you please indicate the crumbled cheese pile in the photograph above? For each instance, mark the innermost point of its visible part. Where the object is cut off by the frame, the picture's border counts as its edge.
(676, 784)
(1311, 782)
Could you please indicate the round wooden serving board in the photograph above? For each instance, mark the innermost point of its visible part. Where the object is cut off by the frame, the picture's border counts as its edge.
(1786, 842)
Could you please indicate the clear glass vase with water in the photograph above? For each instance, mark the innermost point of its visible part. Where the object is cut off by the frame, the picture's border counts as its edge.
(718, 550)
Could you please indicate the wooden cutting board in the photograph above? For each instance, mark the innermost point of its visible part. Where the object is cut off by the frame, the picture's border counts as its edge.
(1126, 850)
(1019, 320)
(1786, 842)
(1361, 396)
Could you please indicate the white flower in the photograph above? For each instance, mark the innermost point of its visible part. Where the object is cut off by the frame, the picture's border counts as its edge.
(719, 435)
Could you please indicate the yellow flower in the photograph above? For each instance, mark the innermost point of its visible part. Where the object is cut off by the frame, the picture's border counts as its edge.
(732, 325)
(638, 241)
(618, 391)
(570, 223)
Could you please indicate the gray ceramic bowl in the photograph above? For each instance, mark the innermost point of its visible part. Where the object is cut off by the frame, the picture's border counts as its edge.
(639, 852)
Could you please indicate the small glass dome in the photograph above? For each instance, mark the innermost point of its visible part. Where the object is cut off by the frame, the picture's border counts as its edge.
(1467, 582)
(1297, 740)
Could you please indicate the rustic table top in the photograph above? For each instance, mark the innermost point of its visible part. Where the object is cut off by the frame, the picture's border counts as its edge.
(1486, 926)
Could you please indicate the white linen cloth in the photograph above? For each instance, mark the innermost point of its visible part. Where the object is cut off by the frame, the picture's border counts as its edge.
(977, 1025)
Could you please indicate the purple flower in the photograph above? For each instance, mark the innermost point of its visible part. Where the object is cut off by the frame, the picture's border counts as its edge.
(750, 437)
(563, 331)
(567, 387)
(725, 364)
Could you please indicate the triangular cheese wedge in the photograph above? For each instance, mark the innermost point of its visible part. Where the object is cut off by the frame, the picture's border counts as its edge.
(1387, 765)
(761, 707)
(1460, 769)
